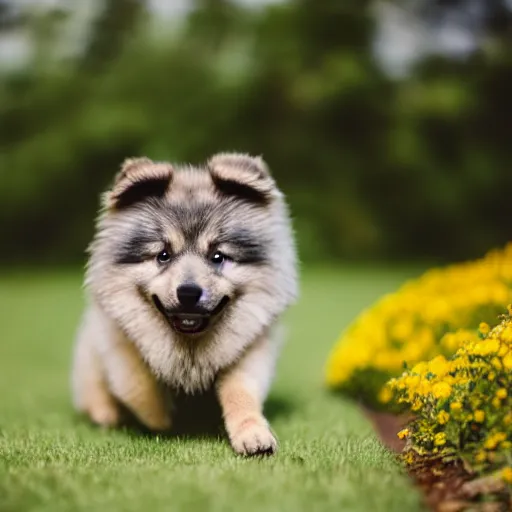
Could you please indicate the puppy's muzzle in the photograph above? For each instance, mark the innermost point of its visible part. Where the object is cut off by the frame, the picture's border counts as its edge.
(190, 317)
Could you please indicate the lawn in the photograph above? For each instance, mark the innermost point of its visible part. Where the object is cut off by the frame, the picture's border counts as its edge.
(51, 460)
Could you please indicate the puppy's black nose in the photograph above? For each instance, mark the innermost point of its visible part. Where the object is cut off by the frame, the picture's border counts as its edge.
(189, 294)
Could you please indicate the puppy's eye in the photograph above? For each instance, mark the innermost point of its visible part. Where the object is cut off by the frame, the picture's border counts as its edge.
(217, 258)
(163, 256)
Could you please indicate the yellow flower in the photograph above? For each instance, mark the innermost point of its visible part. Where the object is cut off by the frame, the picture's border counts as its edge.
(403, 433)
(496, 403)
(412, 381)
(456, 406)
(479, 416)
(441, 390)
(496, 362)
(503, 351)
(439, 366)
(408, 458)
(440, 439)
(490, 444)
(420, 368)
(416, 405)
(481, 456)
(506, 335)
(402, 329)
(506, 474)
(486, 347)
(507, 361)
(385, 395)
(494, 440)
(443, 417)
(484, 328)
(501, 393)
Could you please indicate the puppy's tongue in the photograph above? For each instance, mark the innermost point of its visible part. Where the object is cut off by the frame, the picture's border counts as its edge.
(189, 323)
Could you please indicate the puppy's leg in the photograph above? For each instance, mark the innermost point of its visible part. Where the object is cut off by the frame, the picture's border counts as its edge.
(131, 381)
(107, 366)
(242, 390)
(91, 395)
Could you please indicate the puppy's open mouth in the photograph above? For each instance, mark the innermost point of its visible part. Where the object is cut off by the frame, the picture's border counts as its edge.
(190, 322)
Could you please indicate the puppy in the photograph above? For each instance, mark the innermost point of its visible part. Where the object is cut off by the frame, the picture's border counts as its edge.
(189, 272)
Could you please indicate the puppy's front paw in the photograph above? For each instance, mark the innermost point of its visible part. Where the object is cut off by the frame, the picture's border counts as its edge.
(105, 415)
(254, 438)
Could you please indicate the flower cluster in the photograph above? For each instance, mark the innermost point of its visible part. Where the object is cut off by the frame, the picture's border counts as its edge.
(462, 405)
(428, 316)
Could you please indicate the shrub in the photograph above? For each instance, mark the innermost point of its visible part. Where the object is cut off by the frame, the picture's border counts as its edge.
(462, 404)
(426, 317)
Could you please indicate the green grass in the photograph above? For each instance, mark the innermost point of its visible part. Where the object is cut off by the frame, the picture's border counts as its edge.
(50, 460)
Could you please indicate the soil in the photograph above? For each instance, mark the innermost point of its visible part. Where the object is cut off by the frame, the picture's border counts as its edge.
(447, 486)
(387, 425)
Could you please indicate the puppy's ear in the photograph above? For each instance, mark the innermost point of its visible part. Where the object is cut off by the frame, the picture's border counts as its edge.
(138, 179)
(244, 176)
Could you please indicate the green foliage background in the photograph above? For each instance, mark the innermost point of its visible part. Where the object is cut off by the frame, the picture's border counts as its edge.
(374, 167)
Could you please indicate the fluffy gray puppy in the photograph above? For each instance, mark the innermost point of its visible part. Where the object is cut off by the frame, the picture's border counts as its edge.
(189, 272)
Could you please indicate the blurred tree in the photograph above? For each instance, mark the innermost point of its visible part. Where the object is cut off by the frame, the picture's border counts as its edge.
(111, 30)
(373, 167)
